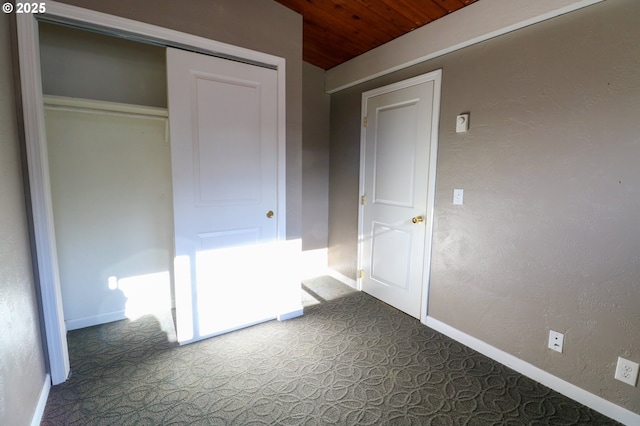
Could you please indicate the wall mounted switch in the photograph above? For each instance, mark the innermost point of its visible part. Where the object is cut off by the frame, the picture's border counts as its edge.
(458, 195)
(556, 341)
(627, 371)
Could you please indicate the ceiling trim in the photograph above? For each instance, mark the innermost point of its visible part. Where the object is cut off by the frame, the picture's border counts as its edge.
(447, 34)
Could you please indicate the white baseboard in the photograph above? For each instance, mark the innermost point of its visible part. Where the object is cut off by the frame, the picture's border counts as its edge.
(74, 324)
(42, 401)
(289, 315)
(342, 278)
(584, 397)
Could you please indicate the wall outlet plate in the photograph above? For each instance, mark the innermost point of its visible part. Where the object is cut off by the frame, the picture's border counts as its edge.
(627, 371)
(556, 340)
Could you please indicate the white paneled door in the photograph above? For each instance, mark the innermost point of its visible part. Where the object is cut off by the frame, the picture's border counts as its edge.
(224, 154)
(397, 185)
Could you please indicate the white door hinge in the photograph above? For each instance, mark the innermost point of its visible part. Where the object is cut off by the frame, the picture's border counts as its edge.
(363, 200)
(365, 121)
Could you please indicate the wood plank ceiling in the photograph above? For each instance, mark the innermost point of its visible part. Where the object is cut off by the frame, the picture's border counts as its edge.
(335, 31)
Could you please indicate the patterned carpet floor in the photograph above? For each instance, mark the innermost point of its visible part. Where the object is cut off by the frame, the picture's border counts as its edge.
(352, 360)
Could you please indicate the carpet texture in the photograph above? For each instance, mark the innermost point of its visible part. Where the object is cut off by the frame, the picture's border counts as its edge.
(349, 361)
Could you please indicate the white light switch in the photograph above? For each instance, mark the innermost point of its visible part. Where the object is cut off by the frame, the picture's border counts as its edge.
(462, 123)
(457, 196)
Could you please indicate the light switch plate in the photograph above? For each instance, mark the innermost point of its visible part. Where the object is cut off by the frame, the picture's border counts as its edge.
(458, 195)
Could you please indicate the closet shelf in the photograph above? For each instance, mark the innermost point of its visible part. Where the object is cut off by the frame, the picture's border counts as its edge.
(90, 105)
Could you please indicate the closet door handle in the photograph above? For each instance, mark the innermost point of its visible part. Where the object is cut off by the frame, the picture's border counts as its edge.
(270, 214)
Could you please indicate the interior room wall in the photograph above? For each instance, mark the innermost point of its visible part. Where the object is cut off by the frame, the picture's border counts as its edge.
(22, 364)
(548, 236)
(260, 25)
(83, 64)
(112, 206)
(344, 174)
(315, 159)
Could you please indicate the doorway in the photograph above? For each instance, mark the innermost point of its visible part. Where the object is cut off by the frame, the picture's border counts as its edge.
(397, 184)
(110, 174)
(30, 76)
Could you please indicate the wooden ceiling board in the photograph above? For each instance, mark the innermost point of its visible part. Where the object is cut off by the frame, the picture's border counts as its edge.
(348, 38)
(385, 13)
(320, 55)
(354, 29)
(362, 16)
(422, 13)
(335, 31)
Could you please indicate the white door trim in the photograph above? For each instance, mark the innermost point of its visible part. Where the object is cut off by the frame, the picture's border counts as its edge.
(436, 77)
(36, 144)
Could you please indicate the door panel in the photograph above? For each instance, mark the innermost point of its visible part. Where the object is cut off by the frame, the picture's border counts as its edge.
(224, 151)
(395, 148)
(223, 145)
(390, 254)
(235, 119)
(395, 181)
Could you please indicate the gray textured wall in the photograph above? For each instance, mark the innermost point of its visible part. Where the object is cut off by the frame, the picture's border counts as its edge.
(264, 26)
(83, 64)
(344, 166)
(549, 236)
(315, 159)
(22, 370)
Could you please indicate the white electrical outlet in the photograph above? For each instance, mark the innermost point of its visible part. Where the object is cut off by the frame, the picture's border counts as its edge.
(627, 371)
(556, 341)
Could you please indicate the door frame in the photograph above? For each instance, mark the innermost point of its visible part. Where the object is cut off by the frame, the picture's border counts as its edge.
(436, 77)
(46, 262)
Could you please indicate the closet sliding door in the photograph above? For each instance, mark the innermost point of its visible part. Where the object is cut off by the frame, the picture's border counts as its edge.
(230, 268)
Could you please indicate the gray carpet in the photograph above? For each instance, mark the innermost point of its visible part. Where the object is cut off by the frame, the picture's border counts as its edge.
(352, 360)
(322, 289)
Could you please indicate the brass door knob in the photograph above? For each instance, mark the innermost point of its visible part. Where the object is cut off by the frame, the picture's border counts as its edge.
(417, 219)
(270, 214)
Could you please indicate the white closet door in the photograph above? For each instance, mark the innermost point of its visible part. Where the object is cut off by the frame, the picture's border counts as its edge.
(224, 149)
